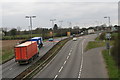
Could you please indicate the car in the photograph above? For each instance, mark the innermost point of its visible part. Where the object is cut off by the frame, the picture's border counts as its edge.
(75, 39)
(50, 39)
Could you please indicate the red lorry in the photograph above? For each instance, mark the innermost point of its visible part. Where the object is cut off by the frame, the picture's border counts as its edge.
(26, 52)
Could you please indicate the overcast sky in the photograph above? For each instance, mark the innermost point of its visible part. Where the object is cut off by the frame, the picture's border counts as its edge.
(79, 13)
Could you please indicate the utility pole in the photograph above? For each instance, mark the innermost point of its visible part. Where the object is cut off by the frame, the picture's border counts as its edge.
(30, 17)
(61, 28)
(53, 20)
(109, 21)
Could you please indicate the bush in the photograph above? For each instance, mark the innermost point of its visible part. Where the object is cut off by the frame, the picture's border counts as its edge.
(115, 50)
(102, 36)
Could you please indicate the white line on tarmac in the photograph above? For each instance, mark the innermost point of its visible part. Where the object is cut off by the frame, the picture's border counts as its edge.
(55, 77)
(81, 61)
(68, 57)
(10, 69)
(61, 69)
(70, 50)
(64, 62)
(69, 53)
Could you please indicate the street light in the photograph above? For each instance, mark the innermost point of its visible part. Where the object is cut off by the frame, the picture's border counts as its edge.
(108, 19)
(70, 26)
(61, 28)
(52, 20)
(108, 34)
(30, 22)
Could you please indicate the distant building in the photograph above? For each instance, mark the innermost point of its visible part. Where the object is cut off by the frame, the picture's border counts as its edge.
(91, 31)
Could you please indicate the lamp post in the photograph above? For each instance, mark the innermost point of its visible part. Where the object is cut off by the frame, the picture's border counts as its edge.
(52, 20)
(108, 34)
(70, 25)
(61, 28)
(30, 17)
(108, 20)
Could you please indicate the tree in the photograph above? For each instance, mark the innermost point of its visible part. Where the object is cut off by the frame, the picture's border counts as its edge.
(55, 27)
(18, 30)
(13, 31)
(4, 30)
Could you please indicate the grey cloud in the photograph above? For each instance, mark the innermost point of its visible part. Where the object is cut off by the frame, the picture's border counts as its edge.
(14, 13)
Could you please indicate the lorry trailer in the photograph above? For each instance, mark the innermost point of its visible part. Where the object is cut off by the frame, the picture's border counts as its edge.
(26, 52)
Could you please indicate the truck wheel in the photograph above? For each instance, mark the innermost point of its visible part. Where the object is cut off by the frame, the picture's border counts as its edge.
(37, 54)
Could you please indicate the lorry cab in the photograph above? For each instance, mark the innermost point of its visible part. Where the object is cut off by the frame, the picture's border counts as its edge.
(39, 41)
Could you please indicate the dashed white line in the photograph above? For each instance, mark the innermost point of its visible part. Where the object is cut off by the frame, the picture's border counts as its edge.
(64, 62)
(70, 50)
(61, 69)
(55, 77)
(69, 53)
(80, 69)
(81, 62)
(67, 57)
(10, 69)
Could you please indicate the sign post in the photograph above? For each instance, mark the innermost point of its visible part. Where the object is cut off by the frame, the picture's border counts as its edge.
(108, 36)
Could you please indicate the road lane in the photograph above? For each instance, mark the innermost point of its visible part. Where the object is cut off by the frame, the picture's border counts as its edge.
(72, 67)
(62, 65)
(55, 65)
(11, 69)
(72, 62)
(94, 66)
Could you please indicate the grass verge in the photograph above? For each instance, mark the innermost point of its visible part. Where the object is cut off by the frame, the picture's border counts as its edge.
(9, 54)
(112, 68)
(94, 44)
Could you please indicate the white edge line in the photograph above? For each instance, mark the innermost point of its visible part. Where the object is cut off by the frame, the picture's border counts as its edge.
(79, 76)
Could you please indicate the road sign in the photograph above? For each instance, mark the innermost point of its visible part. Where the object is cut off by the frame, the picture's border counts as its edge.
(68, 33)
(108, 35)
(107, 45)
(51, 33)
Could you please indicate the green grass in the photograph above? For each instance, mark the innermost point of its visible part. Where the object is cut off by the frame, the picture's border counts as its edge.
(98, 43)
(20, 36)
(94, 44)
(111, 65)
(8, 54)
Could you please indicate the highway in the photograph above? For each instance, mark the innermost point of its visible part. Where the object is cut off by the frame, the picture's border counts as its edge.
(70, 62)
(11, 69)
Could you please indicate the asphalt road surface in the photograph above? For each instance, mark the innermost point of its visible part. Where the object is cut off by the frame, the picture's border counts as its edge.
(71, 62)
(94, 66)
(11, 69)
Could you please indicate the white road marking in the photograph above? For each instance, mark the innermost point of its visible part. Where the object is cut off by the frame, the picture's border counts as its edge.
(70, 50)
(64, 62)
(55, 77)
(69, 53)
(61, 69)
(80, 69)
(81, 61)
(10, 69)
(68, 57)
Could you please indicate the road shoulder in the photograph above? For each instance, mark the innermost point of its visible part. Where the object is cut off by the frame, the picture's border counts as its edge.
(93, 64)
